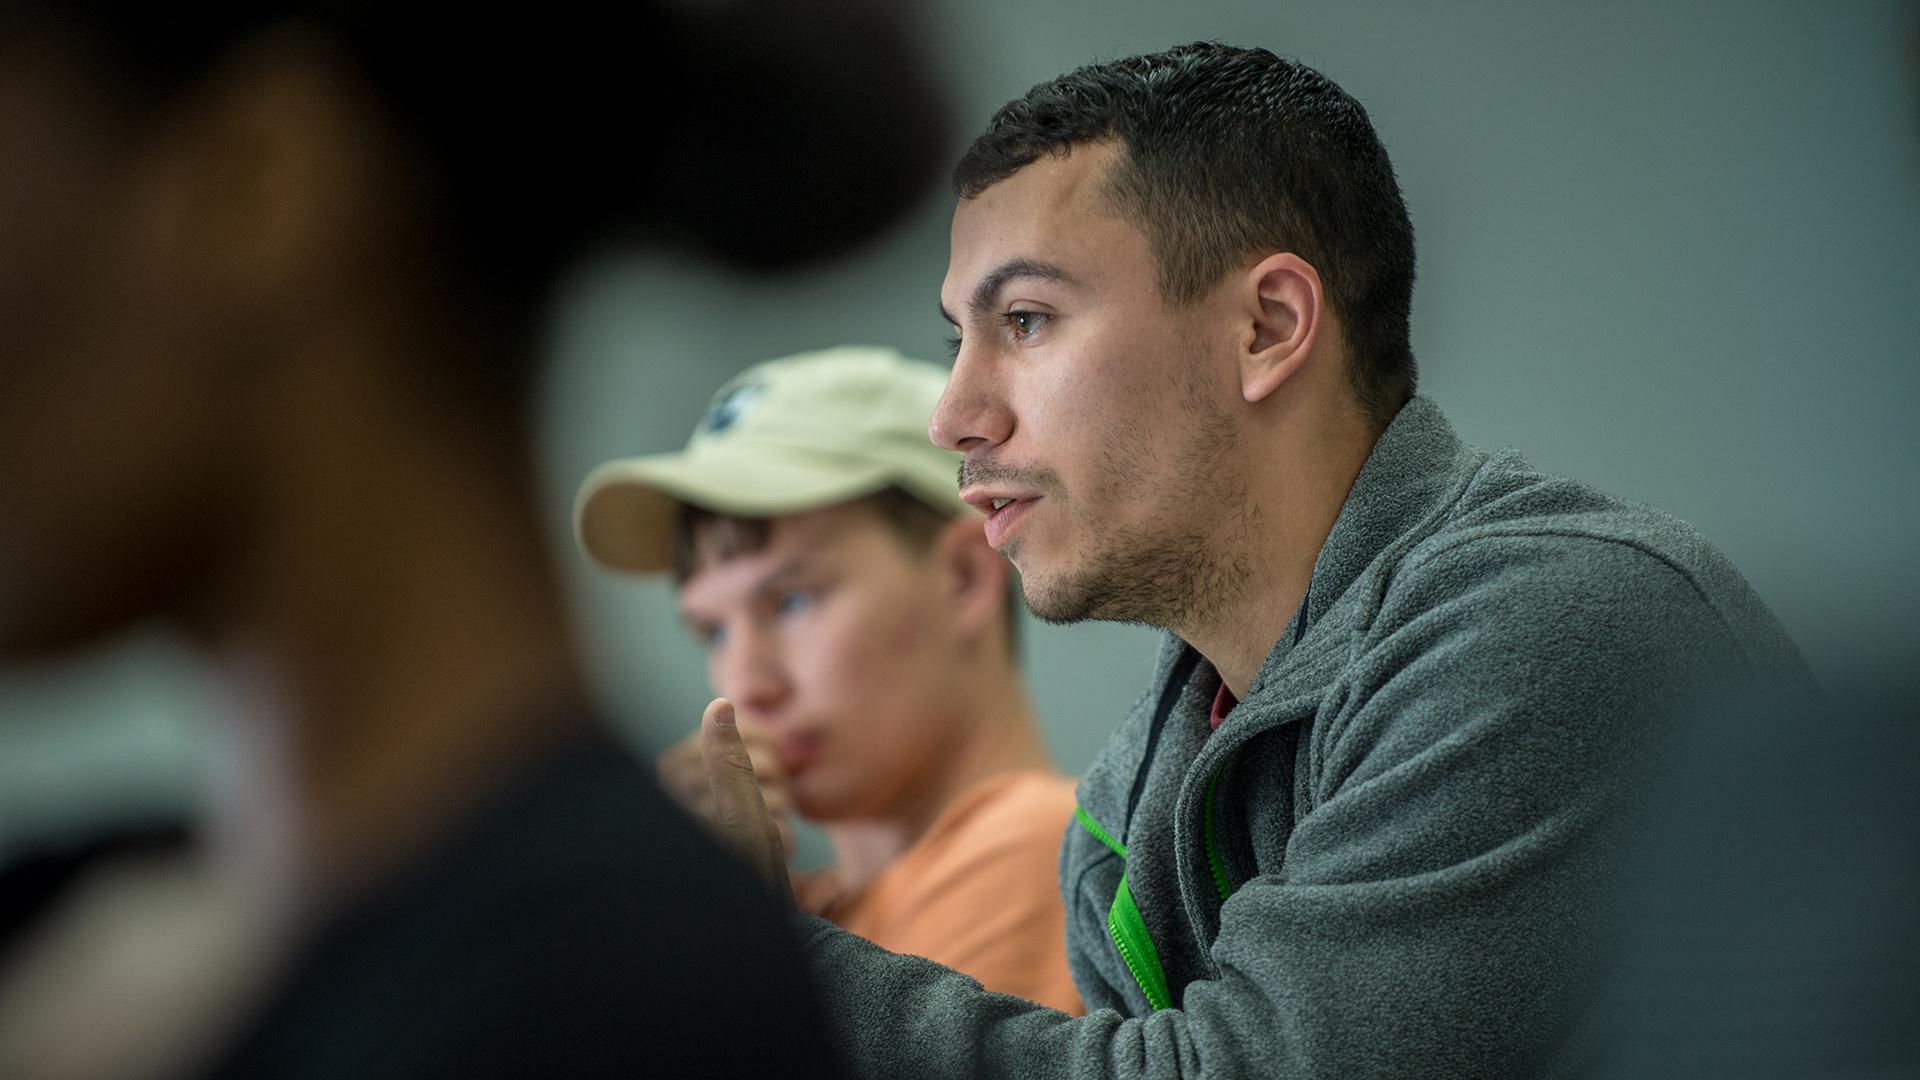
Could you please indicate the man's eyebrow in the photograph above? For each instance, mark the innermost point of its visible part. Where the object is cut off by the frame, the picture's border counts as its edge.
(795, 566)
(799, 564)
(792, 566)
(988, 289)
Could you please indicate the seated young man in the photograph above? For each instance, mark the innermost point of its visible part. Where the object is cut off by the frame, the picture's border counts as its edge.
(1364, 820)
(852, 609)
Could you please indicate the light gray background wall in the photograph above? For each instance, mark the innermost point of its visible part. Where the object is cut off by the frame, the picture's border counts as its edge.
(1674, 254)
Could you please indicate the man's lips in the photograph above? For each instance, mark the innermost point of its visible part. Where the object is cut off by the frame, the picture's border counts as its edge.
(798, 750)
(1004, 509)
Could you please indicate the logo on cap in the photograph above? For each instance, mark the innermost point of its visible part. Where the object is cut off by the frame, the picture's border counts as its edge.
(730, 406)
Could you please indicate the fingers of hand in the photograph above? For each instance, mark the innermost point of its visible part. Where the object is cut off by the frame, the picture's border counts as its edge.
(739, 808)
(683, 775)
(737, 801)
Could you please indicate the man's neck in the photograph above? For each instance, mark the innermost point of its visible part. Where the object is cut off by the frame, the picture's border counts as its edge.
(1000, 736)
(392, 652)
(1287, 517)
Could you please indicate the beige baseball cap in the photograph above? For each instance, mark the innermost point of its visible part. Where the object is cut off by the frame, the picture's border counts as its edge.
(787, 435)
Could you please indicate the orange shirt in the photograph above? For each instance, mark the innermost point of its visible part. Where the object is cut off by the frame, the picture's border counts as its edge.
(979, 893)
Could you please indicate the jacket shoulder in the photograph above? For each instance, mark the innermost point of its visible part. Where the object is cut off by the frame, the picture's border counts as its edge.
(1569, 546)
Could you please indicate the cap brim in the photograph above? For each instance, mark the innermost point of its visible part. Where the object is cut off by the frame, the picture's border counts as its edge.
(623, 516)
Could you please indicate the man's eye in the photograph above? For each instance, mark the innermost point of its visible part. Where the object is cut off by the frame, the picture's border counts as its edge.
(710, 637)
(1024, 324)
(794, 601)
(953, 348)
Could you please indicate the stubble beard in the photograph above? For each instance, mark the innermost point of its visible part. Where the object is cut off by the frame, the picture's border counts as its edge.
(1191, 560)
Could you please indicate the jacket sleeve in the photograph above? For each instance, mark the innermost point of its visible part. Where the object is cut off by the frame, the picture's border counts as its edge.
(1438, 909)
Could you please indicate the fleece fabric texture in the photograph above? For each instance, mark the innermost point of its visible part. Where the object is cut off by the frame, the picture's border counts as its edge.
(1418, 807)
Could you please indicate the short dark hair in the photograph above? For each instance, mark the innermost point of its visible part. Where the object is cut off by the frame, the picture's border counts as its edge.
(914, 522)
(1230, 151)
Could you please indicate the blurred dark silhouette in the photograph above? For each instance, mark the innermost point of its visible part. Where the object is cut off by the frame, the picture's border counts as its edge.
(269, 278)
(1773, 926)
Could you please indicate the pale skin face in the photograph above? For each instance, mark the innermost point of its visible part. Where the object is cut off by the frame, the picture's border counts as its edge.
(1078, 393)
(840, 645)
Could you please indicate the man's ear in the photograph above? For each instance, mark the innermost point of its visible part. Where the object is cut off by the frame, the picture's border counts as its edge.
(977, 576)
(1284, 306)
(270, 167)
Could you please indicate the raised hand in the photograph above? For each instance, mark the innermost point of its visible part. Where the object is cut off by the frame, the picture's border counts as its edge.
(739, 808)
(684, 777)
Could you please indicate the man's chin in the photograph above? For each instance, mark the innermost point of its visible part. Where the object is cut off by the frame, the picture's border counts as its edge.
(1063, 599)
(822, 804)
(1053, 601)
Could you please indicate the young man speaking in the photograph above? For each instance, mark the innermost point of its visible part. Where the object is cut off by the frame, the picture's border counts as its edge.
(1359, 822)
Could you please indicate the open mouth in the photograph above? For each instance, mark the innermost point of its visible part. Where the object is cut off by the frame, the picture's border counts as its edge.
(1004, 509)
(1003, 515)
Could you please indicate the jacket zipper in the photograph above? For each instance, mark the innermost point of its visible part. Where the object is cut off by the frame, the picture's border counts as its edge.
(1214, 862)
(1129, 932)
(1128, 928)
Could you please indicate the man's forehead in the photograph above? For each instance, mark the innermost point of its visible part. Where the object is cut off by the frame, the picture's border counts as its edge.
(1072, 181)
(1055, 210)
(755, 549)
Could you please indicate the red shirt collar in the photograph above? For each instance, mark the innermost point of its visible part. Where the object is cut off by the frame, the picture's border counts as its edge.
(1223, 703)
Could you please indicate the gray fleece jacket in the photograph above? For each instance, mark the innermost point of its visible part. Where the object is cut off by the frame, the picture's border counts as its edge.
(1391, 859)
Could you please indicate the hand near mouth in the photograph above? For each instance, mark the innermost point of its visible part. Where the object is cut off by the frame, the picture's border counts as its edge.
(683, 774)
(739, 809)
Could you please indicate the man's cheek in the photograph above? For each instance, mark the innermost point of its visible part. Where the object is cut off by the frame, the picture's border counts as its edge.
(904, 637)
(851, 655)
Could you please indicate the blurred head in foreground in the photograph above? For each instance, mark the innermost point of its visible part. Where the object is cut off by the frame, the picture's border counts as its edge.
(269, 278)
(227, 230)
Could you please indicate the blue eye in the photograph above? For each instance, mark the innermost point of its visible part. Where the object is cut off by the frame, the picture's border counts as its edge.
(953, 347)
(710, 637)
(1024, 324)
(793, 601)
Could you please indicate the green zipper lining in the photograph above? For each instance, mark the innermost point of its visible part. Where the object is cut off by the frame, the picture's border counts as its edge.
(1098, 831)
(1128, 928)
(1213, 844)
(1129, 932)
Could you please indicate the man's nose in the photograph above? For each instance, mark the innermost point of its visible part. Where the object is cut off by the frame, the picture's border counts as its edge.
(751, 674)
(972, 412)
